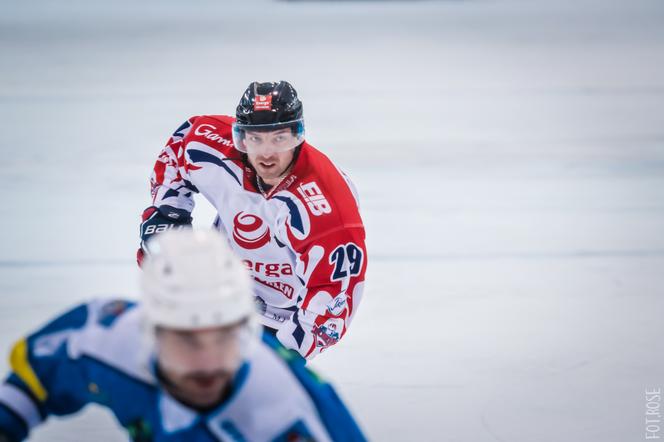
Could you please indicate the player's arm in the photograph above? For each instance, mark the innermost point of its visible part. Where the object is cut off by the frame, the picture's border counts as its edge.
(44, 379)
(172, 191)
(334, 269)
(332, 414)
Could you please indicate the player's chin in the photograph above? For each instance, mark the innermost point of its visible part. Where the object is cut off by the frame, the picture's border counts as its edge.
(269, 172)
(204, 392)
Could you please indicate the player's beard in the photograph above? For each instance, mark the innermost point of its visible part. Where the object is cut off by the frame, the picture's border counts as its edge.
(200, 389)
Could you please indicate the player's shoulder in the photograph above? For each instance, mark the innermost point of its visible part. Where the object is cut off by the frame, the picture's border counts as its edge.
(324, 188)
(292, 364)
(304, 393)
(271, 361)
(93, 325)
(314, 165)
(96, 312)
(214, 131)
(206, 126)
(275, 384)
(107, 331)
(290, 357)
(114, 337)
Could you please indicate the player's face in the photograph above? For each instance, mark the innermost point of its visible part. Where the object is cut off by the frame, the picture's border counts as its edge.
(199, 364)
(270, 152)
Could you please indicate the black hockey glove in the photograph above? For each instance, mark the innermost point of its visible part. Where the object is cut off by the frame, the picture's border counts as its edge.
(158, 220)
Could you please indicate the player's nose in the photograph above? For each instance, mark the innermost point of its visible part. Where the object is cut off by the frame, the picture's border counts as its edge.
(267, 154)
(208, 360)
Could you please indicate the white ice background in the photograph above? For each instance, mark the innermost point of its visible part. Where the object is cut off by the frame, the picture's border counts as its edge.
(509, 156)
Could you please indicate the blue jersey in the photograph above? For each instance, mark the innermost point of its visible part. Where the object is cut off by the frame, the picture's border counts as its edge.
(93, 354)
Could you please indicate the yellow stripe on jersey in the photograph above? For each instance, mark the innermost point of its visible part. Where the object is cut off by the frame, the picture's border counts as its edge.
(20, 365)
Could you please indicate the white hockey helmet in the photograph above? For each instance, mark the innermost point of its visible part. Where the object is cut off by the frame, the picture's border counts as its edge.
(192, 280)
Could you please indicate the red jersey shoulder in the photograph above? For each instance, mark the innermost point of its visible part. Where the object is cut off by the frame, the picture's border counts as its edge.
(214, 131)
(324, 190)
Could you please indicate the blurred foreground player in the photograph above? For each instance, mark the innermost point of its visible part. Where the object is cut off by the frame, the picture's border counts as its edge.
(285, 208)
(186, 364)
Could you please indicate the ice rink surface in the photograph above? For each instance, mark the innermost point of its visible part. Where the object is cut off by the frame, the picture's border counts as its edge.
(509, 156)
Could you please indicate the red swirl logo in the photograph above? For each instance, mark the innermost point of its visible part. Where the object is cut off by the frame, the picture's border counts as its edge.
(249, 231)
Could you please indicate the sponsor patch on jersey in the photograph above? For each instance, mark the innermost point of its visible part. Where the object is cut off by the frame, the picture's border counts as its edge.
(209, 132)
(273, 269)
(249, 231)
(111, 311)
(283, 288)
(263, 103)
(313, 196)
(47, 345)
(328, 333)
(337, 305)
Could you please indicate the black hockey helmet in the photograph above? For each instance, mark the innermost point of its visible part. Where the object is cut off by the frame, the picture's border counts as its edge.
(268, 103)
(267, 107)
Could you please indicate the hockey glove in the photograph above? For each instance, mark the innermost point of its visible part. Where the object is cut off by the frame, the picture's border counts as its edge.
(158, 220)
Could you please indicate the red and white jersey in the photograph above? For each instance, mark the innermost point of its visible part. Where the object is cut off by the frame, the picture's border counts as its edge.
(303, 241)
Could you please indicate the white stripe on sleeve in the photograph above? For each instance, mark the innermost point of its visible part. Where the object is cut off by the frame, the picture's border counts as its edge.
(19, 402)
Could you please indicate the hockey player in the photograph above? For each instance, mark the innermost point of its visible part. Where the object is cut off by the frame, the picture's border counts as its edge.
(185, 364)
(284, 207)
